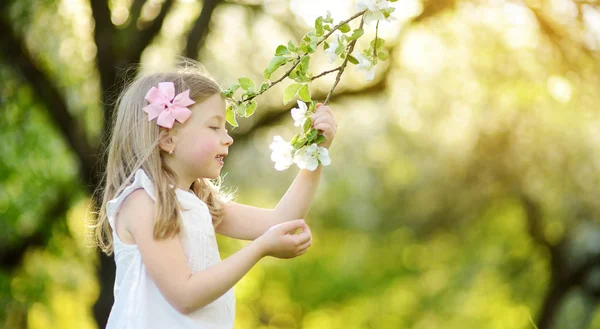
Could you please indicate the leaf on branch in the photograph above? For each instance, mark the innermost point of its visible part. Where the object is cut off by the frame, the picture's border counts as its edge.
(275, 63)
(282, 50)
(229, 92)
(230, 116)
(294, 139)
(312, 135)
(320, 139)
(290, 92)
(304, 94)
(319, 26)
(345, 28)
(307, 125)
(299, 143)
(291, 47)
(264, 86)
(352, 60)
(251, 108)
(356, 34)
(246, 84)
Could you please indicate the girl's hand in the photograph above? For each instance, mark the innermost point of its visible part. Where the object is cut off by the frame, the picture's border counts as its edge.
(324, 121)
(281, 242)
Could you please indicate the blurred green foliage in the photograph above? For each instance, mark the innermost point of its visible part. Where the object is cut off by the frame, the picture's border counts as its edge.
(463, 189)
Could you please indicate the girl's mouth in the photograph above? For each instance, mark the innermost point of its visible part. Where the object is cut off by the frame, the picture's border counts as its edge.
(220, 158)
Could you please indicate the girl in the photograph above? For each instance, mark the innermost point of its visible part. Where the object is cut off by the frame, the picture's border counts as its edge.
(160, 212)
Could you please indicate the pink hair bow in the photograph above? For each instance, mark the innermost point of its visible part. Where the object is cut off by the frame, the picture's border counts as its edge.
(166, 106)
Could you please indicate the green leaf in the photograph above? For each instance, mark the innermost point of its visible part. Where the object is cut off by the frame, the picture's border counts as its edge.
(304, 93)
(383, 55)
(246, 84)
(319, 26)
(275, 63)
(320, 139)
(356, 34)
(380, 43)
(300, 142)
(267, 74)
(294, 139)
(290, 92)
(241, 109)
(229, 92)
(303, 66)
(312, 135)
(281, 50)
(307, 124)
(251, 108)
(328, 19)
(230, 116)
(291, 47)
(345, 28)
(352, 60)
(264, 86)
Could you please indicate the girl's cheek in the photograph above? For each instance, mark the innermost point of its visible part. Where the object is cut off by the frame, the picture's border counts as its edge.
(202, 151)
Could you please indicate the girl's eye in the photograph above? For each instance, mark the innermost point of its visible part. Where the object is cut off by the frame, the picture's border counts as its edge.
(215, 128)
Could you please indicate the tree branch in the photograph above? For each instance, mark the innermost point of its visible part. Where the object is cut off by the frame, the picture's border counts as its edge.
(275, 115)
(144, 37)
(197, 35)
(103, 36)
(343, 67)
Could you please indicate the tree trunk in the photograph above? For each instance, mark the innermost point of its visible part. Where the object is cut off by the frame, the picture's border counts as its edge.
(106, 276)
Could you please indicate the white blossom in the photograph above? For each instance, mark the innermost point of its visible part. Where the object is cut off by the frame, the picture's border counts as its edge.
(333, 46)
(375, 10)
(365, 64)
(309, 157)
(282, 153)
(300, 114)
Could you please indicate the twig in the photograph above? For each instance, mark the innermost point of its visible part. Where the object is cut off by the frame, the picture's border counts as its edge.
(278, 80)
(326, 72)
(341, 71)
(375, 46)
(299, 59)
(340, 24)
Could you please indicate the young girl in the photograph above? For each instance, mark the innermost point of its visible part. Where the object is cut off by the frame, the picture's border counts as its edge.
(160, 212)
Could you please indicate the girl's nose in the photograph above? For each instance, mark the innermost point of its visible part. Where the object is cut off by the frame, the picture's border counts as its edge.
(228, 139)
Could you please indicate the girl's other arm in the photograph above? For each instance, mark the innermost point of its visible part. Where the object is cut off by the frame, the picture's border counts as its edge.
(167, 266)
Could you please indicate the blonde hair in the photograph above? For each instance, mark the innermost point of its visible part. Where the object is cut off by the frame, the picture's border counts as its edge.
(134, 144)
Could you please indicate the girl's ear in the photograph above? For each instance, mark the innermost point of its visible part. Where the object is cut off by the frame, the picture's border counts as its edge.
(168, 143)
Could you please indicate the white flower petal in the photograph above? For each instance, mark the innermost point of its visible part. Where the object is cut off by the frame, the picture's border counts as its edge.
(302, 105)
(312, 164)
(324, 156)
(370, 74)
(361, 5)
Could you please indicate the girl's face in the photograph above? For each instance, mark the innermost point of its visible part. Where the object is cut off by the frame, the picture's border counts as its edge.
(202, 141)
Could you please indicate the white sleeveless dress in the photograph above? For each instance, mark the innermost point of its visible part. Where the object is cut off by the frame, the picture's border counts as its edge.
(138, 302)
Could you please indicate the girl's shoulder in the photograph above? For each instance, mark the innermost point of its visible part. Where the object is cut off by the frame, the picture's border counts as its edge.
(138, 195)
(137, 205)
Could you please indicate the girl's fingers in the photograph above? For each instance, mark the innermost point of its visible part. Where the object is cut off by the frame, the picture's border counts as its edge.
(305, 245)
(323, 126)
(327, 120)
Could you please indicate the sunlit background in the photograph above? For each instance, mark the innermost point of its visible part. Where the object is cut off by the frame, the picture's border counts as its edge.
(465, 185)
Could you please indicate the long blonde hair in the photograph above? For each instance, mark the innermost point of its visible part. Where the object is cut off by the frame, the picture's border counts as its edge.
(134, 144)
